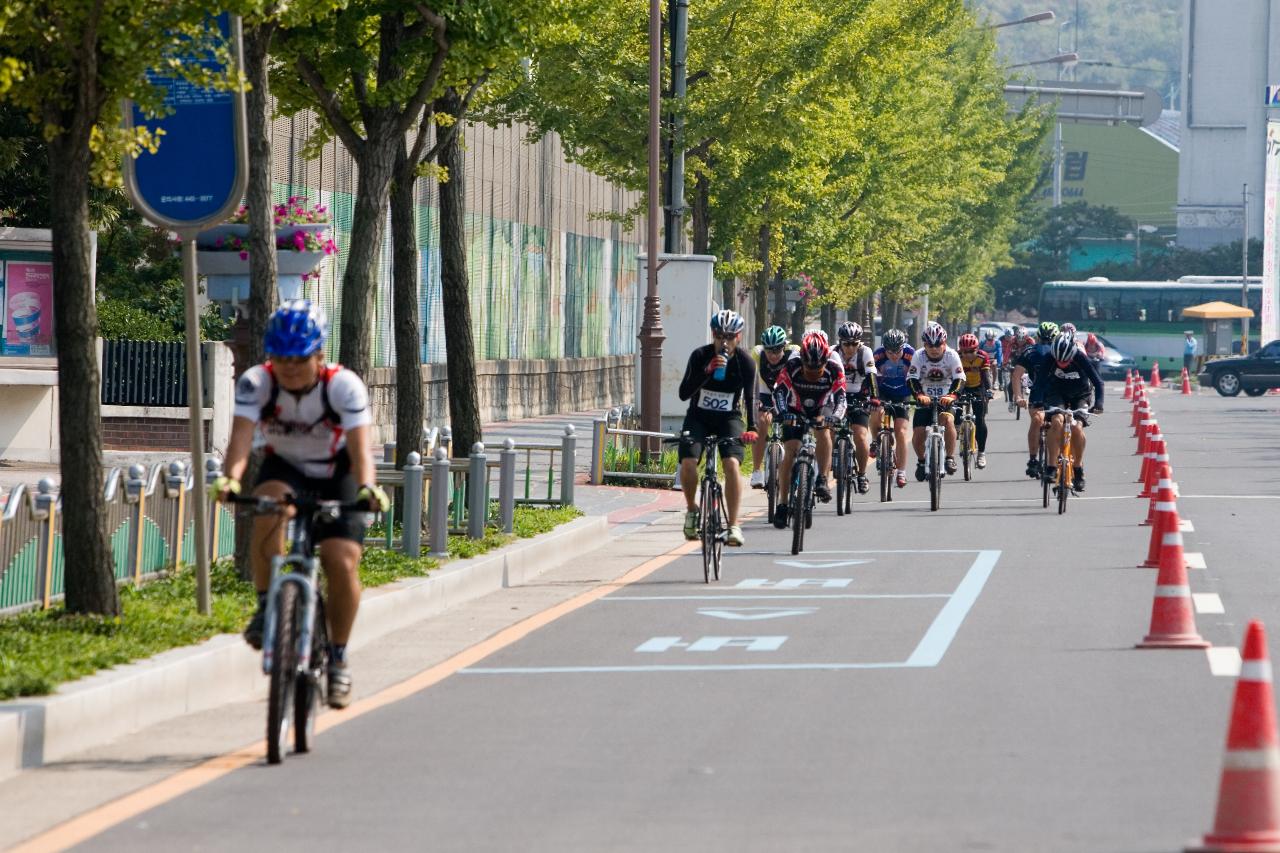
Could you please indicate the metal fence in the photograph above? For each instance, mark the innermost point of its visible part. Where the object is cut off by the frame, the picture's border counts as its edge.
(622, 451)
(149, 521)
(144, 373)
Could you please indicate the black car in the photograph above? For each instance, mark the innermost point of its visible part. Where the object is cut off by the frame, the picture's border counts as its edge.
(1254, 374)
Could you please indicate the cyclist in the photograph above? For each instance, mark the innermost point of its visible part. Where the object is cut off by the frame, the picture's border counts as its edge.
(770, 356)
(1094, 349)
(1019, 343)
(893, 361)
(312, 420)
(811, 384)
(1069, 329)
(977, 385)
(1037, 362)
(993, 349)
(715, 408)
(860, 378)
(935, 372)
(1073, 383)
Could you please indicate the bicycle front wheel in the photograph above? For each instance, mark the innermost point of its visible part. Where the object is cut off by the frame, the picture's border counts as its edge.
(802, 475)
(306, 700)
(935, 474)
(1064, 485)
(884, 461)
(708, 510)
(842, 464)
(773, 460)
(284, 671)
(966, 449)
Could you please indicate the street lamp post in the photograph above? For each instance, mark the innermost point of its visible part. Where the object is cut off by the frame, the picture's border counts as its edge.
(651, 336)
(1061, 60)
(1030, 19)
(1137, 245)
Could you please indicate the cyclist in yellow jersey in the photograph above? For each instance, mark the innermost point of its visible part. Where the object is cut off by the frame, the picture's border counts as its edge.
(770, 355)
(978, 386)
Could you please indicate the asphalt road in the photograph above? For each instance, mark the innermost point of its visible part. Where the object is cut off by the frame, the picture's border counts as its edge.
(959, 680)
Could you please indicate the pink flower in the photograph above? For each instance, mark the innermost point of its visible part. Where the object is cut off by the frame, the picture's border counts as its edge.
(299, 241)
(244, 256)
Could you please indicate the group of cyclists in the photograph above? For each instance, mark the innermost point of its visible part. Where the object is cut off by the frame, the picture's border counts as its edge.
(738, 393)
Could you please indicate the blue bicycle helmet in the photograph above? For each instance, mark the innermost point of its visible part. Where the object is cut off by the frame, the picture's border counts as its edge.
(297, 328)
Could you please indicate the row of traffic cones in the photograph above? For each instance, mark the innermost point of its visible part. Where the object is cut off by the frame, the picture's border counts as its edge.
(1133, 380)
(1248, 809)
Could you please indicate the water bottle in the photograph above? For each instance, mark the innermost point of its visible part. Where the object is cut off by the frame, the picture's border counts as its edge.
(719, 372)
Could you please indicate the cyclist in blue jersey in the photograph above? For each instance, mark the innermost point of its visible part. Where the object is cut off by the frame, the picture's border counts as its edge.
(1037, 361)
(893, 361)
(992, 348)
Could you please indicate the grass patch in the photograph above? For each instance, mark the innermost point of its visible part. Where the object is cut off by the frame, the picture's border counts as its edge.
(629, 459)
(44, 648)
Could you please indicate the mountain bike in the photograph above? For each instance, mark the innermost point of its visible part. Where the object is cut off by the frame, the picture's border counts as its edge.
(295, 637)
(1064, 475)
(934, 456)
(804, 474)
(1042, 461)
(773, 453)
(967, 433)
(713, 518)
(844, 466)
(884, 453)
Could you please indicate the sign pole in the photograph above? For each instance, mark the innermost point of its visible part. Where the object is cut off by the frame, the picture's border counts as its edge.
(195, 408)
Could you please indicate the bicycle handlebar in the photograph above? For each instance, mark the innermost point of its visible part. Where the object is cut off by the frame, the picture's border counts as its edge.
(266, 505)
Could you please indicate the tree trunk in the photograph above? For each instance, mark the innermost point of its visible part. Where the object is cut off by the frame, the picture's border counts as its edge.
(728, 286)
(798, 318)
(263, 296)
(829, 319)
(376, 165)
(464, 402)
(763, 278)
(404, 274)
(702, 216)
(89, 563)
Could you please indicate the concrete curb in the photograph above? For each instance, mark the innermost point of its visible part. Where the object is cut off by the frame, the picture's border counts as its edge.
(106, 705)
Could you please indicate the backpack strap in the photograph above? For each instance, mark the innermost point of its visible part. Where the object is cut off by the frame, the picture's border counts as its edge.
(330, 414)
(268, 410)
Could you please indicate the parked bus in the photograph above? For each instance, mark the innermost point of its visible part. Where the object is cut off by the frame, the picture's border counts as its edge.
(1144, 318)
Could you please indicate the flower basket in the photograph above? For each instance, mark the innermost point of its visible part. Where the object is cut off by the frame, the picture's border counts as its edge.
(230, 263)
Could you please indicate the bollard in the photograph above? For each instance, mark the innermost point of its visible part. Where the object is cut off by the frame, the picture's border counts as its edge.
(568, 461)
(507, 487)
(213, 470)
(411, 517)
(599, 435)
(438, 506)
(446, 440)
(477, 472)
(47, 513)
(135, 492)
(174, 483)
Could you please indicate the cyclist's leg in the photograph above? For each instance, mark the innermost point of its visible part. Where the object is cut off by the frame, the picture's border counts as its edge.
(731, 458)
(790, 447)
(949, 425)
(980, 422)
(1078, 440)
(341, 560)
(824, 439)
(1053, 443)
(267, 539)
(764, 421)
(690, 452)
(900, 441)
(861, 442)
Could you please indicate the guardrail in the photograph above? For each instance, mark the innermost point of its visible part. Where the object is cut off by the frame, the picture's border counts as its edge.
(615, 439)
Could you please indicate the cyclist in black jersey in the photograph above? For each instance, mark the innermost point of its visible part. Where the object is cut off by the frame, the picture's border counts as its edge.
(771, 357)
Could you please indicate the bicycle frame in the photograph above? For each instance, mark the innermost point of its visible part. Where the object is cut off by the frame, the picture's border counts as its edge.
(305, 580)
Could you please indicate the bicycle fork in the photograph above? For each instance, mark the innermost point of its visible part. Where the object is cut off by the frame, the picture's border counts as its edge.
(307, 588)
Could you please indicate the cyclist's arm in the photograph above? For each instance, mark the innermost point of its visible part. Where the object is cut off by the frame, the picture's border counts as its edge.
(838, 397)
(749, 375)
(913, 384)
(695, 376)
(238, 448)
(1090, 370)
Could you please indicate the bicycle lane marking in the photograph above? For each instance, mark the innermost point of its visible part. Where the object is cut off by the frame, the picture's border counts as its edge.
(104, 817)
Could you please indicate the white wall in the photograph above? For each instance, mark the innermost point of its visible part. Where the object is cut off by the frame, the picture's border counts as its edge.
(685, 287)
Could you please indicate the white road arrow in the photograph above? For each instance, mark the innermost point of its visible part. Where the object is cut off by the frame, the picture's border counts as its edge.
(819, 564)
(754, 614)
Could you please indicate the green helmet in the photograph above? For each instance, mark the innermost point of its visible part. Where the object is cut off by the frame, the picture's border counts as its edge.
(1047, 332)
(774, 336)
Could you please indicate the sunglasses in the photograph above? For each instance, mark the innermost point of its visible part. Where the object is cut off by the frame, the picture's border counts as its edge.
(774, 350)
(721, 336)
(290, 360)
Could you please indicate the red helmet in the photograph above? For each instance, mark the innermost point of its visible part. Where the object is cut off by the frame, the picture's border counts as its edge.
(814, 349)
(968, 342)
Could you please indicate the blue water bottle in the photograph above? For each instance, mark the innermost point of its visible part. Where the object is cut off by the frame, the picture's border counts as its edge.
(719, 372)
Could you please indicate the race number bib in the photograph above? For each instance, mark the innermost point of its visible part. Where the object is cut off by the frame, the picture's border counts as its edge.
(716, 401)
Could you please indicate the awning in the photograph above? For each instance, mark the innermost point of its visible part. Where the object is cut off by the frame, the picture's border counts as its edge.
(1216, 311)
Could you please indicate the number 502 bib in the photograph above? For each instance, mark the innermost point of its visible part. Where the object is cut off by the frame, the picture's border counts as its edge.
(716, 401)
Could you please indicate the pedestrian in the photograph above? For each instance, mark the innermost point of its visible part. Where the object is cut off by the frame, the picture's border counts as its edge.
(1189, 347)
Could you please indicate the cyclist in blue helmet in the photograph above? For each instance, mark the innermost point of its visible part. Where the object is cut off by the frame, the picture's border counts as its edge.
(313, 421)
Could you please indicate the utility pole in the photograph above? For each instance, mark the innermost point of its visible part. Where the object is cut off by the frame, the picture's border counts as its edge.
(678, 13)
(651, 336)
(1244, 273)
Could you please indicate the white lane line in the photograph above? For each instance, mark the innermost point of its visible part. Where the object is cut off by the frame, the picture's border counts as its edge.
(1235, 497)
(724, 667)
(938, 638)
(746, 594)
(1195, 560)
(1224, 660)
(1208, 602)
(1186, 527)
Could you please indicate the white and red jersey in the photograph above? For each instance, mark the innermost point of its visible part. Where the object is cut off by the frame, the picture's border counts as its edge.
(307, 430)
(936, 378)
(824, 396)
(859, 369)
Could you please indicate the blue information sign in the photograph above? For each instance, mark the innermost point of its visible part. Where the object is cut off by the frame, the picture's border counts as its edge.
(197, 175)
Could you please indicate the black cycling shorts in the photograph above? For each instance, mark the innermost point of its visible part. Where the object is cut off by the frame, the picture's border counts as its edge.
(692, 446)
(924, 417)
(898, 408)
(340, 487)
(1069, 400)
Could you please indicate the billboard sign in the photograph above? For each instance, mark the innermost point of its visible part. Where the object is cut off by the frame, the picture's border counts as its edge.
(1270, 329)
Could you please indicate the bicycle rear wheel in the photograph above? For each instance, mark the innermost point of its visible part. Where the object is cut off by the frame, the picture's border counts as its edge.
(306, 702)
(884, 461)
(1044, 483)
(802, 474)
(284, 671)
(842, 463)
(773, 461)
(935, 474)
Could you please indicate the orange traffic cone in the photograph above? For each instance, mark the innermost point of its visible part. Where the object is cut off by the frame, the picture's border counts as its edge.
(1156, 453)
(1165, 520)
(1248, 816)
(1173, 619)
(1144, 472)
(1186, 383)
(1128, 385)
(1155, 374)
(1164, 480)
(1146, 429)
